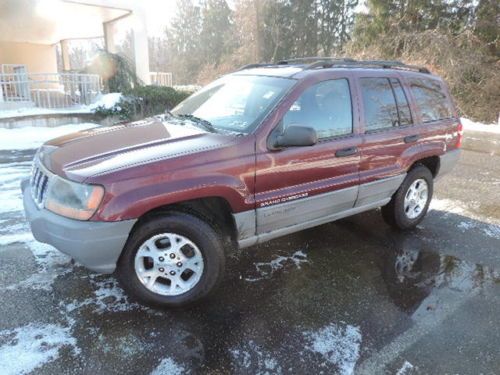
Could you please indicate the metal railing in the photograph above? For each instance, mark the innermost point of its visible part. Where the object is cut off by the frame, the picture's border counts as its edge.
(160, 78)
(49, 90)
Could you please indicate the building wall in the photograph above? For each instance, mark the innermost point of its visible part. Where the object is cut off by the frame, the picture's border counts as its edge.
(39, 58)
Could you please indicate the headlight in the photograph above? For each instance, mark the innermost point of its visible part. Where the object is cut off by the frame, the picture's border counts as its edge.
(71, 199)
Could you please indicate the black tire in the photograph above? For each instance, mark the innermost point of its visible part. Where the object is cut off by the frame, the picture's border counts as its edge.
(208, 241)
(394, 212)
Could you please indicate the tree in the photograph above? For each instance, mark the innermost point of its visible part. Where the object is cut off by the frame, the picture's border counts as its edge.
(183, 38)
(216, 39)
(487, 25)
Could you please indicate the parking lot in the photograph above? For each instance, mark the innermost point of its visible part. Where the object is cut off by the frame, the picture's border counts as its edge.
(351, 296)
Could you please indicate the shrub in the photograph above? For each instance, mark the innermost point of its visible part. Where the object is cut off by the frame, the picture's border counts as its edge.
(144, 101)
(155, 99)
(116, 71)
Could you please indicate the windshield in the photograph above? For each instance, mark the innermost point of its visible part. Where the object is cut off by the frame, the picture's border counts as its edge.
(235, 103)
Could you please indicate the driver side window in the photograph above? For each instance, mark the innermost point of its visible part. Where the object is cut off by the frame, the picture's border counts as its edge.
(326, 107)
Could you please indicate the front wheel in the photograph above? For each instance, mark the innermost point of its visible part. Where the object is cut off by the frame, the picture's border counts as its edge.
(171, 260)
(410, 203)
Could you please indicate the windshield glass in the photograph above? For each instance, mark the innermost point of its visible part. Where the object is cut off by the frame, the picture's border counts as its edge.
(235, 103)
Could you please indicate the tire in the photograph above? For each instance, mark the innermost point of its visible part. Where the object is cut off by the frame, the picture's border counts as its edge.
(154, 237)
(396, 214)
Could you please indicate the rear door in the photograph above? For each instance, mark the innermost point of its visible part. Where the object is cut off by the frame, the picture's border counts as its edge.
(436, 116)
(389, 136)
(301, 185)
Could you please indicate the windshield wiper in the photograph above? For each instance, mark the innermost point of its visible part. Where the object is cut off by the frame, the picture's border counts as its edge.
(207, 125)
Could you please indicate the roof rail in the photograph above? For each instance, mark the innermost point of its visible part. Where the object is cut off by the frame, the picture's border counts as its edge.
(257, 65)
(313, 58)
(384, 64)
(316, 62)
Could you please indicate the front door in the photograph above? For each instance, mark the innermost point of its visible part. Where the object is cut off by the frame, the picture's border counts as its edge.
(301, 185)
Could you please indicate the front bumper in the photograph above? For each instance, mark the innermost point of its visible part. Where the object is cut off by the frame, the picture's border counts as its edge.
(95, 245)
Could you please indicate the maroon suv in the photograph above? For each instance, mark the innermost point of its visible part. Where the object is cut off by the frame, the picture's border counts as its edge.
(268, 150)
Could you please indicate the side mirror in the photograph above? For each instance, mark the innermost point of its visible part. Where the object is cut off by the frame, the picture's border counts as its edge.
(294, 135)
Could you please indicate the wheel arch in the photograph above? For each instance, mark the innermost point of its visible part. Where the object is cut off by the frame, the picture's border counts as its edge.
(214, 210)
(430, 162)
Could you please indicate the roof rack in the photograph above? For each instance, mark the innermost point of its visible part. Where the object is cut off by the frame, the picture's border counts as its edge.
(316, 62)
(315, 58)
(258, 65)
(384, 64)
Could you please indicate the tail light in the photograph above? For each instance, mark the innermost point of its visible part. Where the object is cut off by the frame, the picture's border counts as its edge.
(460, 134)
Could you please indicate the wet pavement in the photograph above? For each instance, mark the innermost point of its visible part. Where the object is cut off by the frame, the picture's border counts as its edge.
(347, 297)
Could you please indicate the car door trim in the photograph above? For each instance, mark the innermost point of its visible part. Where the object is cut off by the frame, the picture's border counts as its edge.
(367, 196)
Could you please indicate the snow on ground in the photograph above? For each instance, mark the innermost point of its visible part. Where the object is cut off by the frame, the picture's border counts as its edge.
(108, 296)
(470, 221)
(404, 370)
(266, 269)
(32, 137)
(27, 348)
(168, 367)
(50, 264)
(251, 357)
(338, 345)
(104, 100)
(470, 125)
(8, 239)
(11, 175)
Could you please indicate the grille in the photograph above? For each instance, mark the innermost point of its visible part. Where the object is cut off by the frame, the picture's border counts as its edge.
(39, 182)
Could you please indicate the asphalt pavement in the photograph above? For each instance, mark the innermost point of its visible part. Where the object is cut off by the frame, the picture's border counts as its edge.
(353, 296)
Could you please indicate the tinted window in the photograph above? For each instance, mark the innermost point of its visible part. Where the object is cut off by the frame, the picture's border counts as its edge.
(326, 107)
(431, 100)
(379, 104)
(402, 102)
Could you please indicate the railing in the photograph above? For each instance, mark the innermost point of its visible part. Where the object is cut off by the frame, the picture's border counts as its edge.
(49, 90)
(160, 78)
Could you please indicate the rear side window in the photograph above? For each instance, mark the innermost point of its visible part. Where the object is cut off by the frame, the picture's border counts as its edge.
(431, 100)
(379, 104)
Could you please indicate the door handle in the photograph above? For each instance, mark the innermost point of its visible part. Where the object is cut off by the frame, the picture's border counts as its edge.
(411, 138)
(346, 152)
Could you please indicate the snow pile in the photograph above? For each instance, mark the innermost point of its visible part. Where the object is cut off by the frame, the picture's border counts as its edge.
(104, 100)
(33, 137)
(187, 88)
(107, 101)
(27, 348)
(338, 345)
(250, 357)
(168, 367)
(267, 269)
(470, 125)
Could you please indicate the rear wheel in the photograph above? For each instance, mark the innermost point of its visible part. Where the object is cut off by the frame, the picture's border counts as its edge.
(410, 203)
(172, 260)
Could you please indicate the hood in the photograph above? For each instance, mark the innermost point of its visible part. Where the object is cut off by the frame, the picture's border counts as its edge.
(87, 153)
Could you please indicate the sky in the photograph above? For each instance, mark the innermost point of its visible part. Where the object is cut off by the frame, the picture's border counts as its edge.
(159, 13)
